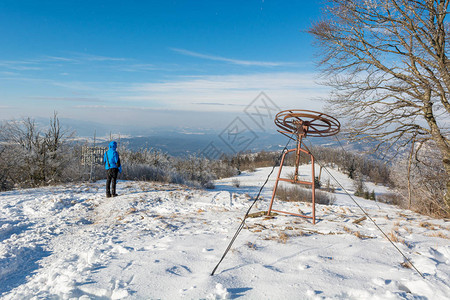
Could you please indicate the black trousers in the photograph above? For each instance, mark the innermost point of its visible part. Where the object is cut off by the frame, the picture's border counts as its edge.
(111, 179)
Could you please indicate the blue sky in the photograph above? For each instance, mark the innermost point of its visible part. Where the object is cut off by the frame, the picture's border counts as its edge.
(155, 63)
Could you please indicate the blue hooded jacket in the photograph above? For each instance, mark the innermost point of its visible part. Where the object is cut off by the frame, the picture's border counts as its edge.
(113, 157)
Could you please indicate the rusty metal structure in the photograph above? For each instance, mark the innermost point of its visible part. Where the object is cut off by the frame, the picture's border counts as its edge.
(298, 124)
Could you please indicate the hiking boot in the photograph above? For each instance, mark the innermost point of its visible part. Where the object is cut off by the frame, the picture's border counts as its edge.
(115, 195)
(108, 195)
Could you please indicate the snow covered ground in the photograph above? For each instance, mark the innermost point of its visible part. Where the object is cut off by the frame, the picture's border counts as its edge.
(161, 241)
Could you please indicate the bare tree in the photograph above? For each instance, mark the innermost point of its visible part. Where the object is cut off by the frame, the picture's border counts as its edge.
(55, 140)
(387, 61)
(24, 146)
(30, 156)
(421, 185)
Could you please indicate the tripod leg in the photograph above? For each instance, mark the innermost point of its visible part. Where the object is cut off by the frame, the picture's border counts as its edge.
(313, 188)
(276, 182)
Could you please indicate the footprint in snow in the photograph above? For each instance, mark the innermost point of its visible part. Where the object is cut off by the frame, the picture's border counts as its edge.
(179, 270)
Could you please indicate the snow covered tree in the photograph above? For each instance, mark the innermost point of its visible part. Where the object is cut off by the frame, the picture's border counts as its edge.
(37, 156)
(421, 185)
(387, 62)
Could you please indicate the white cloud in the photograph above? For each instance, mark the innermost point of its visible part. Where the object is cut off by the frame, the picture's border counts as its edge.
(92, 57)
(48, 62)
(138, 67)
(20, 65)
(57, 59)
(64, 99)
(164, 102)
(231, 92)
(231, 60)
(285, 80)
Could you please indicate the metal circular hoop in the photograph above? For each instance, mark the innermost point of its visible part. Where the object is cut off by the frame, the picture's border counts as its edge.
(306, 122)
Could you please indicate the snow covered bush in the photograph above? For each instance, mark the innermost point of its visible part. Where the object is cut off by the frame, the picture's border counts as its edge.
(423, 187)
(34, 156)
(296, 193)
(354, 164)
(155, 165)
(251, 161)
(196, 170)
(148, 165)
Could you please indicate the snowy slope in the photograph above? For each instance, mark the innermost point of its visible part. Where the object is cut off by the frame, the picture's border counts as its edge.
(163, 240)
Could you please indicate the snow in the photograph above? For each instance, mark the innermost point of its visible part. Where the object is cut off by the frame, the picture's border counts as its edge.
(162, 241)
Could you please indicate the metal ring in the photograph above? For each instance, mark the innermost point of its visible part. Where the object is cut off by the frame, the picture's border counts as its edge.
(308, 122)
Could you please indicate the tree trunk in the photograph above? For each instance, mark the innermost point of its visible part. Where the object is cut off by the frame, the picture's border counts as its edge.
(442, 144)
(409, 175)
(447, 193)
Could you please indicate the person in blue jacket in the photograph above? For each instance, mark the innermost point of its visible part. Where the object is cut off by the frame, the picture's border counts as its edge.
(113, 168)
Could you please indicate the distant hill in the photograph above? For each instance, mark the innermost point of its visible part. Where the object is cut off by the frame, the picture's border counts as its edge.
(192, 141)
(179, 144)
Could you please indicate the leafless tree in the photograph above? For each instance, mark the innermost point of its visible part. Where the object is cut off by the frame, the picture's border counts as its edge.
(23, 146)
(421, 185)
(55, 140)
(387, 61)
(31, 156)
